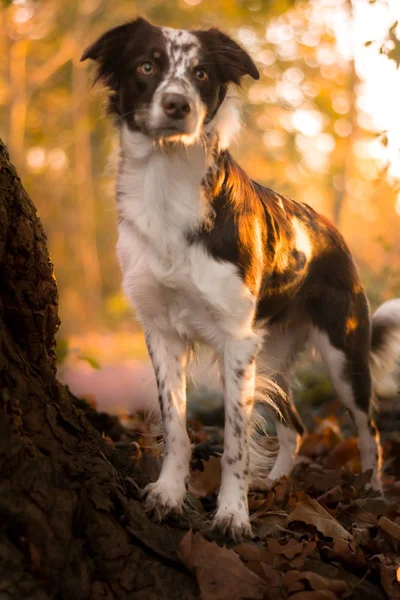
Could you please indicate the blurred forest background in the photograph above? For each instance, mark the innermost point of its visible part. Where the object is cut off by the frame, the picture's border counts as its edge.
(322, 125)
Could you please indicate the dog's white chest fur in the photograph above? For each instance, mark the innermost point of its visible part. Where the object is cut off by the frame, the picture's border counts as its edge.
(174, 285)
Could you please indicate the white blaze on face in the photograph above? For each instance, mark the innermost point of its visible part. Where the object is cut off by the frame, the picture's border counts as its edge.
(303, 242)
(183, 51)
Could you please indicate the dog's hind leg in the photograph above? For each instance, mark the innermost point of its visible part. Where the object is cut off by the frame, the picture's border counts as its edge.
(279, 352)
(342, 334)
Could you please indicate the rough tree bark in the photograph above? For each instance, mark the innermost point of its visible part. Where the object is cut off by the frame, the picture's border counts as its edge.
(71, 525)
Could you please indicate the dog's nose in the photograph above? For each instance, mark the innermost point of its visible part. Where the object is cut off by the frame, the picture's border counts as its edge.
(175, 106)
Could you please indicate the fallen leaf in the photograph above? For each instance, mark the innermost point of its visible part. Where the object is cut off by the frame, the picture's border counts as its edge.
(312, 595)
(292, 582)
(344, 552)
(255, 558)
(252, 552)
(309, 511)
(389, 527)
(373, 505)
(390, 582)
(108, 440)
(261, 504)
(282, 491)
(204, 483)
(269, 524)
(273, 577)
(289, 550)
(332, 496)
(219, 572)
(314, 581)
(348, 515)
(389, 572)
(309, 445)
(344, 452)
(320, 479)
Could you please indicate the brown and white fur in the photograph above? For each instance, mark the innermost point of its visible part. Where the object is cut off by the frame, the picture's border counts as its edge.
(210, 256)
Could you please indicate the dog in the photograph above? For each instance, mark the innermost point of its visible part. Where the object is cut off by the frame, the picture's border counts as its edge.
(210, 256)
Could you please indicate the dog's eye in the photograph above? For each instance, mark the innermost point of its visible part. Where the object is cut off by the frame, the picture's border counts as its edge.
(201, 74)
(146, 68)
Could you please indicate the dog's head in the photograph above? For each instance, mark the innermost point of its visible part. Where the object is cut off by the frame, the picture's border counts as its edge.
(168, 83)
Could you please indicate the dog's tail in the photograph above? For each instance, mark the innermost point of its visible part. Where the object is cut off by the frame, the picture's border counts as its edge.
(385, 347)
(263, 448)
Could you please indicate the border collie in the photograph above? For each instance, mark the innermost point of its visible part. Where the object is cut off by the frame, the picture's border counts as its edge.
(210, 256)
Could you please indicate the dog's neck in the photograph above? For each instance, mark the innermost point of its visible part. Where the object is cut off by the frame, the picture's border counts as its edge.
(165, 180)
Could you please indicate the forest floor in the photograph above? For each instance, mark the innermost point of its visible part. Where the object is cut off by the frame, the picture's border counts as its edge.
(318, 535)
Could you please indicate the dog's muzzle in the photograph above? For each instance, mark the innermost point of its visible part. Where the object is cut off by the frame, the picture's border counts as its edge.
(176, 106)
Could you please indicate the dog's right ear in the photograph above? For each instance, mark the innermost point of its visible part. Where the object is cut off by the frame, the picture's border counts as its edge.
(109, 50)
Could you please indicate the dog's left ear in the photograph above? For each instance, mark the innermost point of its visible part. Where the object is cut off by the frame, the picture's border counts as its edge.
(231, 60)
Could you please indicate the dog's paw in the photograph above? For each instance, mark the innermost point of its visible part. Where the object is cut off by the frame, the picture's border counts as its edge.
(161, 499)
(231, 526)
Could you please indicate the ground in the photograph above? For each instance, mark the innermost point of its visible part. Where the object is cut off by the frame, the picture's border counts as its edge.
(319, 534)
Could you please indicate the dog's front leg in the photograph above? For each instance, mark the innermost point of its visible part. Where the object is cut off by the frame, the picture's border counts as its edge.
(168, 355)
(232, 517)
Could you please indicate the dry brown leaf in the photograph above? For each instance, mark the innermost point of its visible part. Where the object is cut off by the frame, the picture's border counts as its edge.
(289, 550)
(204, 483)
(108, 440)
(344, 452)
(309, 445)
(355, 514)
(333, 495)
(390, 527)
(293, 580)
(253, 557)
(251, 552)
(260, 504)
(345, 552)
(219, 572)
(320, 479)
(283, 491)
(309, 511)
(269, 524)
(318, 582)
(389, 572)
(390, 582)
(312, 595)
(273, 576)
(265, 563)
(255, 502)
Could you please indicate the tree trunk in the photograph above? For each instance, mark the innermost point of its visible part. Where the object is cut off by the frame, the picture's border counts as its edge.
(71, 523)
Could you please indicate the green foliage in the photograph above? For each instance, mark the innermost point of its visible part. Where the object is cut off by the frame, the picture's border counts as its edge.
(92, 361)
(391, 46)
(62, 349)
